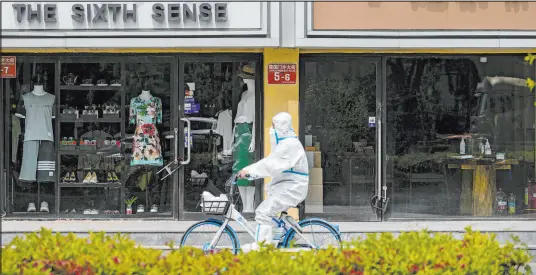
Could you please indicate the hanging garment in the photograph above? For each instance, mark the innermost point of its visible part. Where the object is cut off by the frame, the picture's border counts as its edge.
(15, 136)
(38, 112)
(225, 129)
(241, 155)
(38, 161)
(146, 114)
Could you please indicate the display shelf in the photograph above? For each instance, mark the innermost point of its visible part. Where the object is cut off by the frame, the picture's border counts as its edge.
(101, 185)
(36, 213)
(90, 152)
(89, 88)
(115, 216)
(91, 120)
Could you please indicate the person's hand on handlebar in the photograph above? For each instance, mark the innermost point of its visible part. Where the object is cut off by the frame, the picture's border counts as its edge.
(243, 174)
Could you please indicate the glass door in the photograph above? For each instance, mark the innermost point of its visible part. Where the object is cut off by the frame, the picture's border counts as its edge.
(341, 130)
(220, 103)
(149, 133)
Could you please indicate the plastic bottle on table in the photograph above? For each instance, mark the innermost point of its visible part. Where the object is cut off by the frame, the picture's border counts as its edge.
(501, 202)
(511, 204)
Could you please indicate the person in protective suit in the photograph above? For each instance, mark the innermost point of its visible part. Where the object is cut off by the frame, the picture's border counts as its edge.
(288, 168)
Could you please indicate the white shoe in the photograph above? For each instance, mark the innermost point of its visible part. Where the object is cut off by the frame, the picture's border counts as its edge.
(31, 207)
(154, 208)
(87, 211)
(250, 247)
(94, 177)
(94, 212)
(44, 206)
(141, 209)
(87, 178)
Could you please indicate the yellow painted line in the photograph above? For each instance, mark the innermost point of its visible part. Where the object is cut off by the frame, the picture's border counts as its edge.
(442, 51)
(131, 50)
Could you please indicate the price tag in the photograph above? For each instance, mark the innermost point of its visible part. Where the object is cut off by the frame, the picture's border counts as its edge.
(282, 74)
(372, 121)
(9, 67)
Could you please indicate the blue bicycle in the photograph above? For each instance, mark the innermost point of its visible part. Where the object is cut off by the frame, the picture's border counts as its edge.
(213, 234)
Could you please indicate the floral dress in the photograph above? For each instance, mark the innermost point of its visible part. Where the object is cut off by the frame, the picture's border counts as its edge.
(145, 114)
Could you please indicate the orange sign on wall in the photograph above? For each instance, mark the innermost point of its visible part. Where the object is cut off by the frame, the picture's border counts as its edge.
(424, 15)
(9, 66)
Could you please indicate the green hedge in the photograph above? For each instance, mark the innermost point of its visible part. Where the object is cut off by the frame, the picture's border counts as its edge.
(409, 253)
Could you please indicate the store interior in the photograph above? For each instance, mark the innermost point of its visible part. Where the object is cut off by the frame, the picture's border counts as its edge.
(458, 136)
(109, 130)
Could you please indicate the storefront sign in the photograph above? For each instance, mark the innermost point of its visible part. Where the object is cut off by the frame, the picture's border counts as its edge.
(9, 67)
(93, 13)
(106, 16)
(282, 74)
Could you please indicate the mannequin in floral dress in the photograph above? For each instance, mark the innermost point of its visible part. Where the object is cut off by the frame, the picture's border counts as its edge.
(146, 112)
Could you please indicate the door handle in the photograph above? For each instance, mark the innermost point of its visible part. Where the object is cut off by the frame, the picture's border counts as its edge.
(188, 138)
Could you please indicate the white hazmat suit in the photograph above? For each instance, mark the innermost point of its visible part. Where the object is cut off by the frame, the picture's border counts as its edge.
(287, 166)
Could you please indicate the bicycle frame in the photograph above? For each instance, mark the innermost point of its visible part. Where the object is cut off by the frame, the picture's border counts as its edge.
(233, 214)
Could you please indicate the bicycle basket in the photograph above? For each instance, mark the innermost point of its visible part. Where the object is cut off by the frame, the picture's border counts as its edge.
(216, 207)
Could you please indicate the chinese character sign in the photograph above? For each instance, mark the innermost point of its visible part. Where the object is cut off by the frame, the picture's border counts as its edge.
(9, 67)
(282, 74)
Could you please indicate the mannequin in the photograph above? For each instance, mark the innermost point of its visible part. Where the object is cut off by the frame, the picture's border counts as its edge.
(145, 113)
(38, 159)
(244, 137)
(38, 90)
(145, 95)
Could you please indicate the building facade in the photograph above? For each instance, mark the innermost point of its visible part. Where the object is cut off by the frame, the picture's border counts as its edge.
(414, 116)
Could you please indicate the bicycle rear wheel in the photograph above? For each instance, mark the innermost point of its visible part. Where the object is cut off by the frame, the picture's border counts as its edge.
(201, 234)
(318, 232)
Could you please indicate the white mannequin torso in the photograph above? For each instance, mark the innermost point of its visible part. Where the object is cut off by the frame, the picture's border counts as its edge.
(38, 90)
(245, 113)
(145, 95)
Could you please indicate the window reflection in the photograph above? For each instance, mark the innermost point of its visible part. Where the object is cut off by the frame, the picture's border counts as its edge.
(460, 145)
(339, 97)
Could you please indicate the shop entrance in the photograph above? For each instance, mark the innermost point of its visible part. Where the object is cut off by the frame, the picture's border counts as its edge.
(340, 124)
(220, 114)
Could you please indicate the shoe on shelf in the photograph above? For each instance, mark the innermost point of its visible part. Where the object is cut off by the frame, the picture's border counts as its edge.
(141, 209)
(31, 207)
(66, 211)
(73, 211)
(109, 177)
(115, 178)
(72, 178)
(87, 211)
(44, 207)
(154, 208)
(66, 178)
(93, 178)
(94, 211)
(87, 178)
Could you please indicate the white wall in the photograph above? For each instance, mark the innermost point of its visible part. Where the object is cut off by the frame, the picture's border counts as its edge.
(249, 24)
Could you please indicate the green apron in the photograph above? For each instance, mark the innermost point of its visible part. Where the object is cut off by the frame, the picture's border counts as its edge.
(241, 155)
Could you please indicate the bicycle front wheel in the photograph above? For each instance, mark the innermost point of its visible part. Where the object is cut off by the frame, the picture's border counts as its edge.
(201, 234)
(319, 233)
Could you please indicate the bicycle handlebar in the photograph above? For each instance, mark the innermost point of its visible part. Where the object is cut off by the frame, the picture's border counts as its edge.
(233, 183)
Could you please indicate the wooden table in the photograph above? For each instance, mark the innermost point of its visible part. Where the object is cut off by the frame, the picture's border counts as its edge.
(479, 187)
